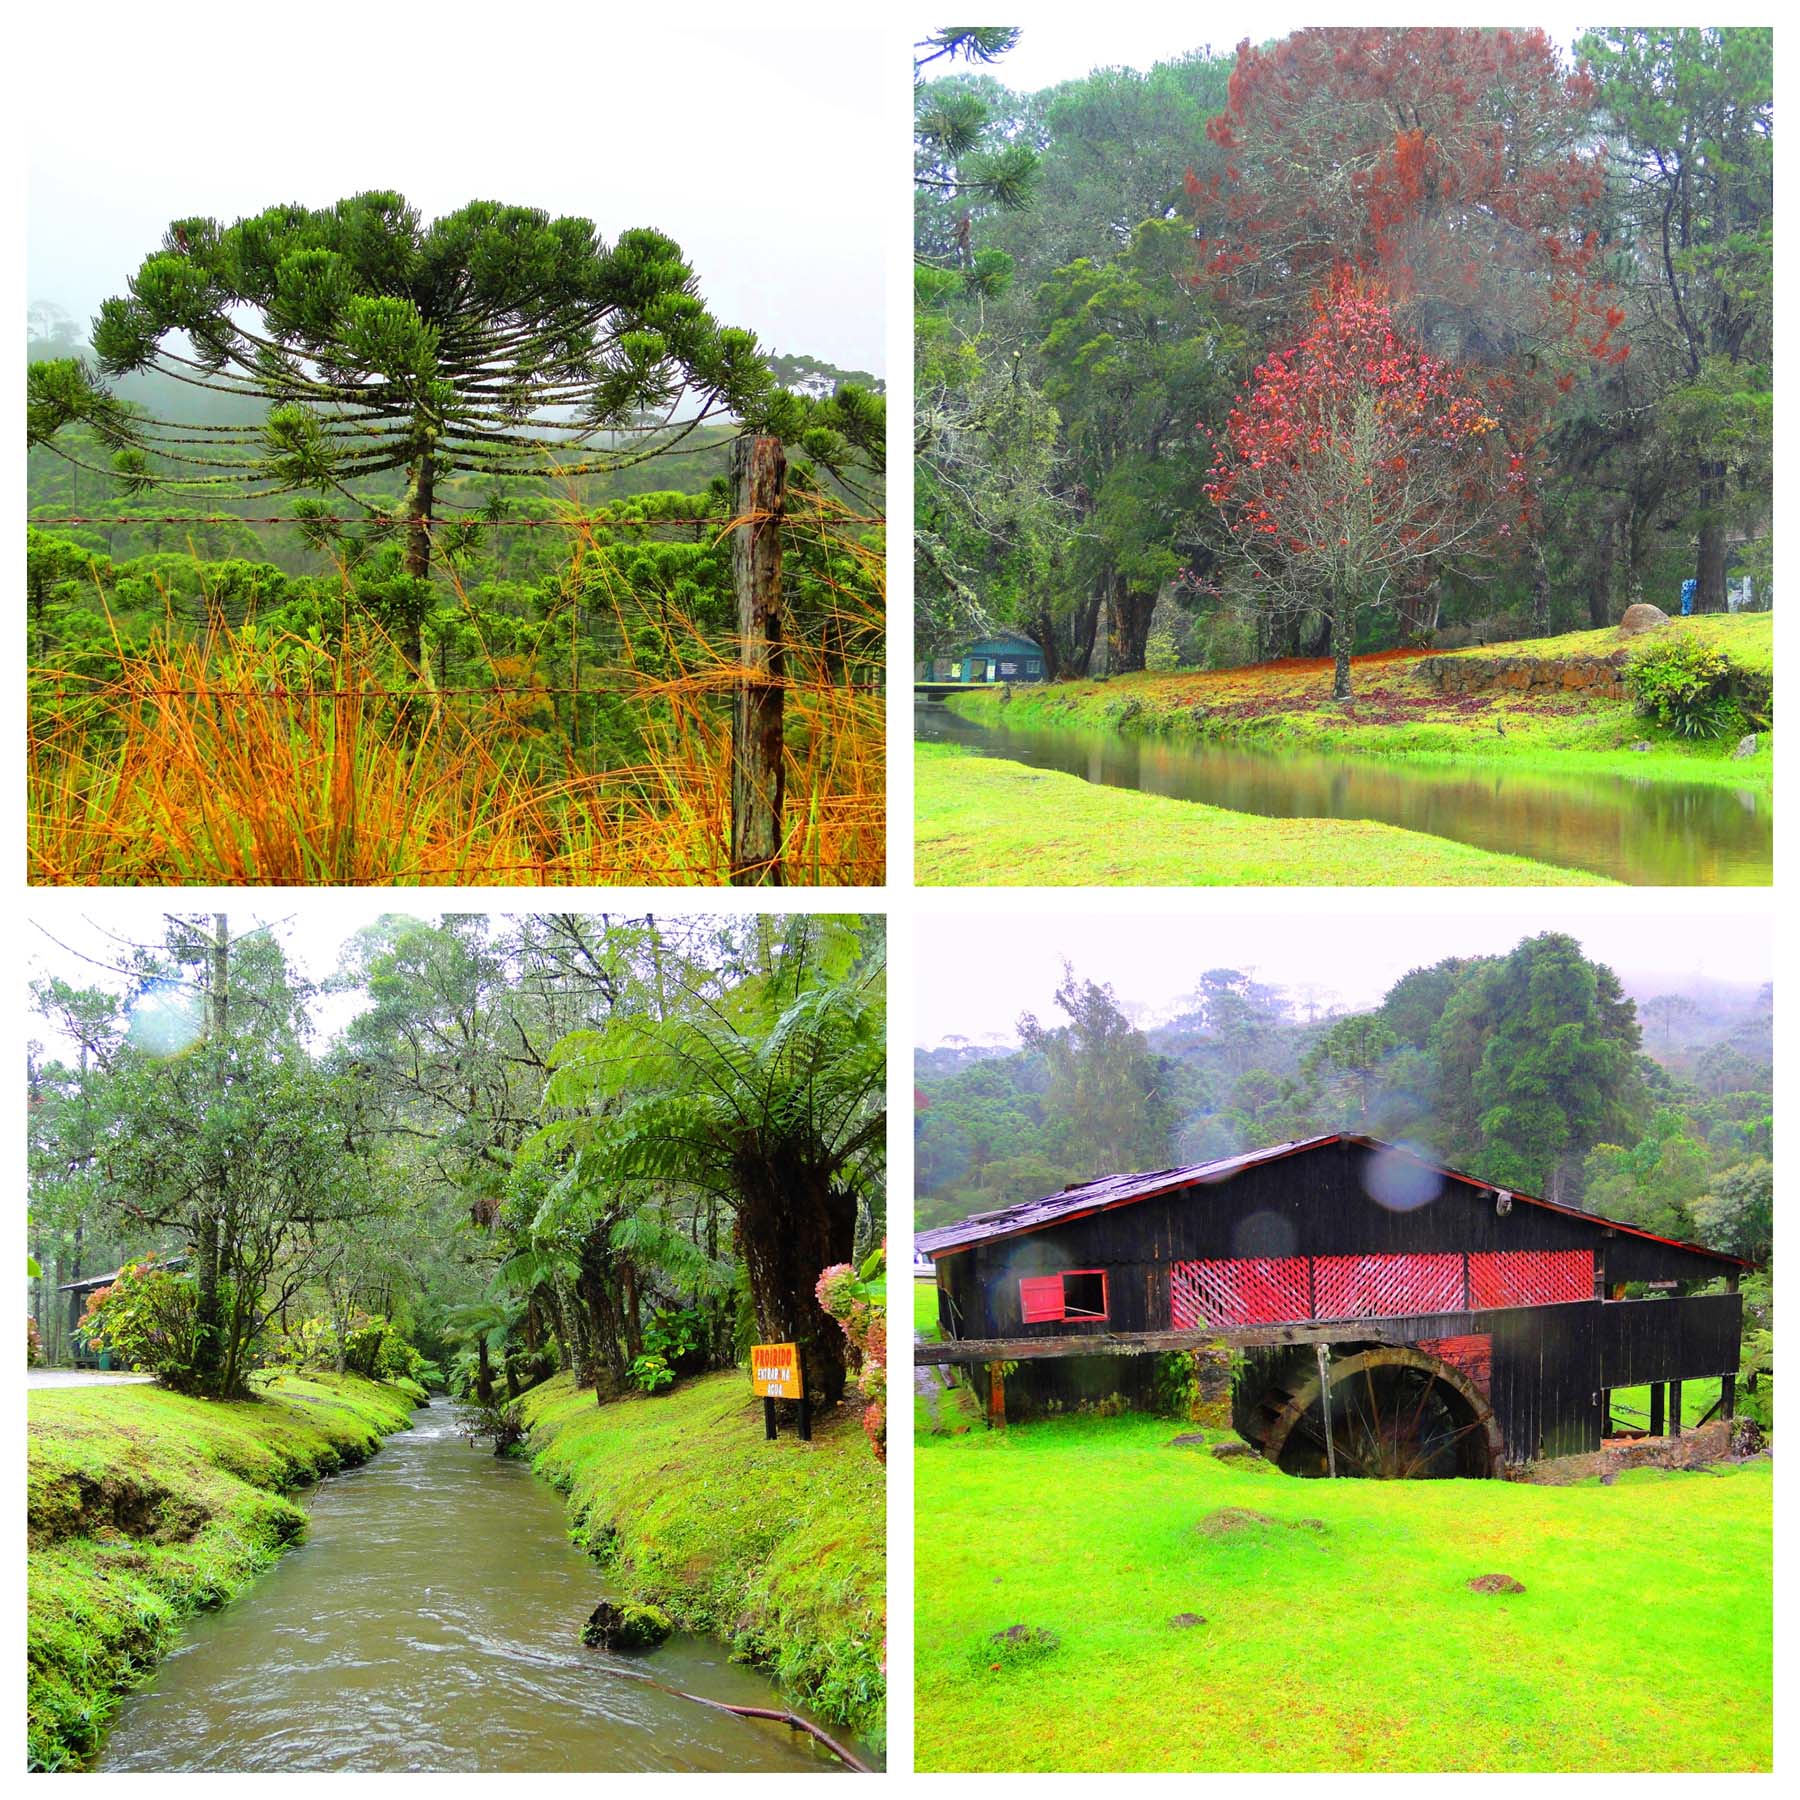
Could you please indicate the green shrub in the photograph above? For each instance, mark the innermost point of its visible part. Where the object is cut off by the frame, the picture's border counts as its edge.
(652, 1373)
(1685, 685)
(145, 1321)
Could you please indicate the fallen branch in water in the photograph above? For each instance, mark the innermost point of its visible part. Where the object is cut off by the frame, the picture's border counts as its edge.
(790, 1719)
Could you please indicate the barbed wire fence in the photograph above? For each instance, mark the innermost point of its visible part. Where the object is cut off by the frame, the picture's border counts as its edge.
(760, 514)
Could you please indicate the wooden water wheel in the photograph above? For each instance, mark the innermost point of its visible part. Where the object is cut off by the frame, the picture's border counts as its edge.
(1395, 1413)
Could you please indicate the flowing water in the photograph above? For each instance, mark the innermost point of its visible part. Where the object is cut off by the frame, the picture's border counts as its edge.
(1658, 833)
(431, 1621)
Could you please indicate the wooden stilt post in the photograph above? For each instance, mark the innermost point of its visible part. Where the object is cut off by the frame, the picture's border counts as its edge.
(996, 1394)
(1324, 1356)
(1674, 1409)
(1656, 1409)
(1727, 1396)
(758, 489)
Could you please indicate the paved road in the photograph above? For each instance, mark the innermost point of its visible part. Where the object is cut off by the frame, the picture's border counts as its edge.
(81, 1378)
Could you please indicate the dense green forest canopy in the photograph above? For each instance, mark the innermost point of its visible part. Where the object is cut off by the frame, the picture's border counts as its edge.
(1535, 1068)
(626, 1146)
(1113, 271)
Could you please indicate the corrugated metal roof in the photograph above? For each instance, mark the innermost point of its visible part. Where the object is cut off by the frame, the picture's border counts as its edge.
(1098, 1196)
(1121, 1190)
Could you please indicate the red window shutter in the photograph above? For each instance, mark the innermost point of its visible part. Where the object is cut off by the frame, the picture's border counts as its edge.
(1040, 1298)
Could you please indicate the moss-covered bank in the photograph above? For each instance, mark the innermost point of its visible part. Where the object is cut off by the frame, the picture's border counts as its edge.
(1402, 709)
(983, 821)
(144, 1506)
(778, 1548)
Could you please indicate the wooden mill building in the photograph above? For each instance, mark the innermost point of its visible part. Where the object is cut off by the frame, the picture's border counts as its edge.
(1392, 1315)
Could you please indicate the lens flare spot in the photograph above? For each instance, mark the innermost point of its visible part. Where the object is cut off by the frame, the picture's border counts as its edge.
(1263, 1234)
(1400, 1179)
(165, 1020)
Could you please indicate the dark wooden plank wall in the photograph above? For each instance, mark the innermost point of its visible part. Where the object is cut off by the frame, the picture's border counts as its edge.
(1314, 1204)
(1670, 1340)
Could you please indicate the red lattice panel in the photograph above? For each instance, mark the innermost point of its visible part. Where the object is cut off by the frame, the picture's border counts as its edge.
(1530, 1277)
(1251, 1290)
(1386, 1287)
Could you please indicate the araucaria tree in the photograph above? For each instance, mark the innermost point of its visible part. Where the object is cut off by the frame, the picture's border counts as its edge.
(1354, 466)
(496, 341)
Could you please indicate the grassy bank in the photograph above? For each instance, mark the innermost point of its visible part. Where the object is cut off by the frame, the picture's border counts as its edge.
(980, 820)
(1337, 1633)
(778, 1548)
(145, 1506)
(1398, 712)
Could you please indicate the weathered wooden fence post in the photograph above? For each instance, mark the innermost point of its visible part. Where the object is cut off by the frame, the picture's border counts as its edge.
(1324, 1359)
(758, 487)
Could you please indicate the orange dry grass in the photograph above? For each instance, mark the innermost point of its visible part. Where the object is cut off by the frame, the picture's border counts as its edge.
(206, 764)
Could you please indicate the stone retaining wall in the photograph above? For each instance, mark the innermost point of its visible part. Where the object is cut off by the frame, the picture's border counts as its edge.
(1601, 676)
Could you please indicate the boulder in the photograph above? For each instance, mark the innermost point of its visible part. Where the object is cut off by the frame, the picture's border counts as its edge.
(625, 1628)
(1746, 745)
(1640, 618)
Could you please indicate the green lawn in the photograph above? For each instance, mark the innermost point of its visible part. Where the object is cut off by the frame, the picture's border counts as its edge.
(982, 821)
(779, 1548)
(144, 1506)
(1339, 1635)
(925, 1309)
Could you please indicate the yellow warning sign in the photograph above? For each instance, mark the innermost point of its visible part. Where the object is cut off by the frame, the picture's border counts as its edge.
(775, 1371)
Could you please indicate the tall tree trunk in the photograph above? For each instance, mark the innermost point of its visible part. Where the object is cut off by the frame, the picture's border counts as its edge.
(791, 1226)
(209, 1319)
(1046, 630)
(1540, 588)
(595, 1285)
(1084, 625)
(1129, 637)
(1343, 641)
(421, 480)
(1709, 596)
(1606, 560)
(484, 1372)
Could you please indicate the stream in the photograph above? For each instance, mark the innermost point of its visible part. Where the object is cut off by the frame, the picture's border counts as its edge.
(431, 1621)
(1654, 833)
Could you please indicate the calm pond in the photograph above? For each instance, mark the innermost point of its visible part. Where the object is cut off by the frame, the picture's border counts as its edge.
(1655, 833)
(431, 1621)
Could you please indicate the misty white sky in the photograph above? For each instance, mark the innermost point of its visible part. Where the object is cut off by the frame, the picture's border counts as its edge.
(978, 973)
(1063, 46)
(759, 151)
(83, 941)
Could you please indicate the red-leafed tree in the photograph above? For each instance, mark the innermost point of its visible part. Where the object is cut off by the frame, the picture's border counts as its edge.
(1460, 167)
(1353, 465)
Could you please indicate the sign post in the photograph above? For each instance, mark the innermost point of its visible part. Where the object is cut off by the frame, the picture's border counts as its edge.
(775, 1375)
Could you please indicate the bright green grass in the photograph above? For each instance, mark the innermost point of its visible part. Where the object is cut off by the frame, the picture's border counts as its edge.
(780, 1548)
(1696, 1397)
(1642, 1640)
(145, 1506)
(925, 1309)
(1288, 705)
(981, 821)
(1748, 638)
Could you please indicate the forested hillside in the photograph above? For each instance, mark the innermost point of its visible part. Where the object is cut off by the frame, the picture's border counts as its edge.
(1134, 289)
(1659, 1113)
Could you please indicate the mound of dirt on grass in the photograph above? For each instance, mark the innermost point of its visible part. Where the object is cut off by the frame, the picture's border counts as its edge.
(1496, 1584)
(1234, 1522)
(1187, 1621)
(1015, 1647)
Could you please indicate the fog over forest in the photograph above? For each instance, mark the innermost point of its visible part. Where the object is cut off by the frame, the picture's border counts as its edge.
(793, 252)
